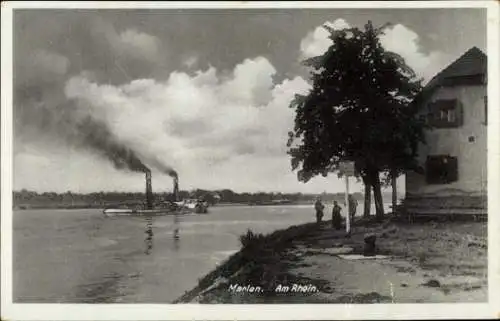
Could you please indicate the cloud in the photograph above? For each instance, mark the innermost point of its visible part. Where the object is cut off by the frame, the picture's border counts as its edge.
(48, 53)
(41, 66)
(117, 54)
(190, 61)
(224, 126)
(317, 41)
(251, 81)
(199, 121)
(139, 44)
(398, 38)
(405, 42)
(50, 62)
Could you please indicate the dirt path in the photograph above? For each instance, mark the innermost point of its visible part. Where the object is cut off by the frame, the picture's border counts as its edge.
(423, 263)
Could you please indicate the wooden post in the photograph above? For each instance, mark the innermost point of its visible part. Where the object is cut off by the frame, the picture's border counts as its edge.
(347, 169)
(348, 216)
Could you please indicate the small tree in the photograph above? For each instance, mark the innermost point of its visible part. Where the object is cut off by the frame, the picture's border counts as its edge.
(358, 109)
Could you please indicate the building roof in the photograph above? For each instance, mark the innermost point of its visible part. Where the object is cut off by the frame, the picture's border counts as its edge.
(469, 68)
(472, 63)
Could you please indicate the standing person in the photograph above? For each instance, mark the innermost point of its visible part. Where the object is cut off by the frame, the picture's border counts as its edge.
(353, 204)
(336, 217)
(319, 207)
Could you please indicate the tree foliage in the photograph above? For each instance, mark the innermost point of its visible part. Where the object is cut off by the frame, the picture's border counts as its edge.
(359, 109)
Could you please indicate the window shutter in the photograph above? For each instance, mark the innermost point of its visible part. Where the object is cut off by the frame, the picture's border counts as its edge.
(433, 114)
(432, 174)
(452, 169)
(428, 170)
(460, 113)
(441, 169)
(430, 115)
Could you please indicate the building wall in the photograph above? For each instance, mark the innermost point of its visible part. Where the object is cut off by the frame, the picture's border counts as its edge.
(472, 156)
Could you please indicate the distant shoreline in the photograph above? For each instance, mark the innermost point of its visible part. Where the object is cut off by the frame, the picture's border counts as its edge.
(101, 206)
(25, 200)
(59, 206)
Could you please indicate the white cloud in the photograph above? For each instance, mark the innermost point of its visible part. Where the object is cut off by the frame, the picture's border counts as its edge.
(139, 44)
(397, 38)
(405, 42)
(209, 128)
(251, 81)
(128, 43)
(50, 61)
(317, 41)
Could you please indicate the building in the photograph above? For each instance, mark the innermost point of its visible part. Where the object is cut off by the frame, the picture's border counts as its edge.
(453, 162)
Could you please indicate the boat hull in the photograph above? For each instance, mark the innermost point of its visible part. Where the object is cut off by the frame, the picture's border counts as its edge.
(134, 212)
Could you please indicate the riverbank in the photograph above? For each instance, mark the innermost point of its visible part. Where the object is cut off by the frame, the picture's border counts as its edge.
(418, 262)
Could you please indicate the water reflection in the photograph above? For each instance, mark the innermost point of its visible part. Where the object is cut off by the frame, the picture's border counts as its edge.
(176, 245)
(176, 231)
(149, 235)
(176, 226)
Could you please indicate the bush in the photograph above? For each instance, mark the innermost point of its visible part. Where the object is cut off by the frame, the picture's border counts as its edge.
(251, 239)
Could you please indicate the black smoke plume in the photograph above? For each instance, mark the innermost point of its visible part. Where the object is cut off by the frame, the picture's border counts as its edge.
(172, 173)
(163, 168)
(42, 114)
(96, 136)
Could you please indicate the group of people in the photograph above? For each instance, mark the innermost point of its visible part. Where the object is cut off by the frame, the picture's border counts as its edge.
(336, 210)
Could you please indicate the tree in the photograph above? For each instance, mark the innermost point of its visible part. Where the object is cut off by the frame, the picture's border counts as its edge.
(403, 155)
(227, 195)
(358, 109)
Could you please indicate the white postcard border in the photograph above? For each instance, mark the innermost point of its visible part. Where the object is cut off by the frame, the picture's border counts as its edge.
(12, 311)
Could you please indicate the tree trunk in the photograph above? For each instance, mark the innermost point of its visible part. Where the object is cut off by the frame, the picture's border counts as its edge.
(394, 192)
(377, 193)
(368, 198)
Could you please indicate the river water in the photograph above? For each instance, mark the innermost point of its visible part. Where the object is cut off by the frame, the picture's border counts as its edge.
(82, 256)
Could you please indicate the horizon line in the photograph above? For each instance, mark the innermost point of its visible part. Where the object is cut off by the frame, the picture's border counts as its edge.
(388, 189)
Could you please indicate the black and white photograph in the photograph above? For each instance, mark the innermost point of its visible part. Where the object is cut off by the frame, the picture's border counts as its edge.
(244, 155)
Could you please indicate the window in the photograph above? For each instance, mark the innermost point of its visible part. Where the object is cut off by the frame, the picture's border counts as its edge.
(451, 115)
(448, 115)
(445, 113)
(441, 169)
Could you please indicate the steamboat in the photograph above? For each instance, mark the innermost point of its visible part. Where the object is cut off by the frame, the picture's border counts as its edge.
(165, 207)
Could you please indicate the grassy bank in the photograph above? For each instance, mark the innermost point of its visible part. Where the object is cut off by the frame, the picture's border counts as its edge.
(427, 262)
(259, 262)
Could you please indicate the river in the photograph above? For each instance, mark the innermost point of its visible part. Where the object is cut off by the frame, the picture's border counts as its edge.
(81, 256)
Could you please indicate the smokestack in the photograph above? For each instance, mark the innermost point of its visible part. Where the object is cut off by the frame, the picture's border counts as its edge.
(176, 188)
(149, 191)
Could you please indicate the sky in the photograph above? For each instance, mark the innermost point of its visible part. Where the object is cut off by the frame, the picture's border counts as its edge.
(205, 92)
